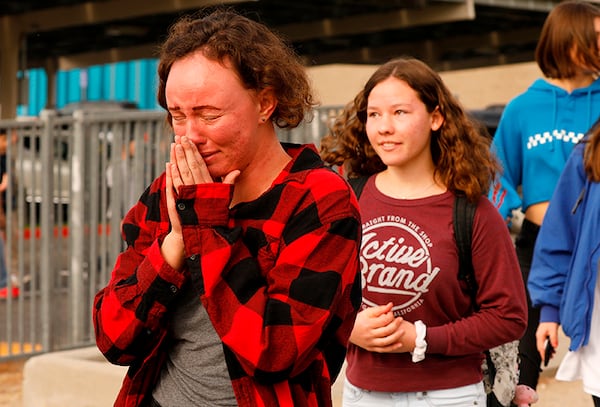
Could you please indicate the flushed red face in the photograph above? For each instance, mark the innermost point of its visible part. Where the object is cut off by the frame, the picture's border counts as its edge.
(398, 124)
(209, 104)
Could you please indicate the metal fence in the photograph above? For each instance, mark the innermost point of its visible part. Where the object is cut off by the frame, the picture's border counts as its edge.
(72, 179)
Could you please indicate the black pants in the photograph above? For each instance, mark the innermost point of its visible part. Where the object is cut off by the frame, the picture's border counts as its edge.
(596, 401)
(530, 359)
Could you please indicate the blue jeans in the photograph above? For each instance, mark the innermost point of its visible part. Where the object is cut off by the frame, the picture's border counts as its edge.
(470, 395)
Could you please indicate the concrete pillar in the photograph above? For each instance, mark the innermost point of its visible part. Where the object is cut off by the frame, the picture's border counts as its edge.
(10, 35)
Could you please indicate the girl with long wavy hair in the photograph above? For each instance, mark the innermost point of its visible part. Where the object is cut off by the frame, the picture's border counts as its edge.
(418, 337)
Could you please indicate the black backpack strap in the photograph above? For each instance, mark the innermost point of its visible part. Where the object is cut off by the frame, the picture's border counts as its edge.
(464, 212)
(358, 184)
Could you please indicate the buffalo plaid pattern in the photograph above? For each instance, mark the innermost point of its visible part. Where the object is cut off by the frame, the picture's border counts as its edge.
(277, 277)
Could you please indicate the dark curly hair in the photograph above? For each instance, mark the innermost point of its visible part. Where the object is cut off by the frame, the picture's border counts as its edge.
(260, 57)
(460, 151)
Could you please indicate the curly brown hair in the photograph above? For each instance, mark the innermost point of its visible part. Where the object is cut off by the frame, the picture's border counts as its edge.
(460, 151)
(261, 58)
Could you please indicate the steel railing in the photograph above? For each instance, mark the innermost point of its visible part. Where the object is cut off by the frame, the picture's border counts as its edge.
(72, 180)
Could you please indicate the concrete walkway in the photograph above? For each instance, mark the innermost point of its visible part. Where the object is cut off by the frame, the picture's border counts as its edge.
(552, 393)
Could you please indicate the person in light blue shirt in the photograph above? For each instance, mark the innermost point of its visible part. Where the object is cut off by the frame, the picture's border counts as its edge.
(539, 129)
(563, 280)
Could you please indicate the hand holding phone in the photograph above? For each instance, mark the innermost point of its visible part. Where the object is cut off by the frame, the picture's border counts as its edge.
(548, 351)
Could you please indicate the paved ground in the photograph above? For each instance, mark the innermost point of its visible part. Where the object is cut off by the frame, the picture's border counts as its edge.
(552, 392)
(11, 377)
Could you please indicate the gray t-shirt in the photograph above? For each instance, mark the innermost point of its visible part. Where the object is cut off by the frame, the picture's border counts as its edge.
(195, 373)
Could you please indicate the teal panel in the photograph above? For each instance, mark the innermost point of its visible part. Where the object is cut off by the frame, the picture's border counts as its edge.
(131, 80)
(141, 82)
(148, 84)
(37, 92)
(62, 85)
(95, 89)
(134, 81)
(73, 87)
(120, 81)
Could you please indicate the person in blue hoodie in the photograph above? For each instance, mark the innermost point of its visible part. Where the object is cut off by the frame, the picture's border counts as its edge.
(564, 273)
(537, 132)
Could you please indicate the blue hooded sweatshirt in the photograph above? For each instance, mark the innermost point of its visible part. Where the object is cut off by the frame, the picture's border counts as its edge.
(537, 132)
(567, 253)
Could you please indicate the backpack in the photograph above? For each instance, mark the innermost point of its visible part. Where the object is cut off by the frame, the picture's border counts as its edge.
(500, 367)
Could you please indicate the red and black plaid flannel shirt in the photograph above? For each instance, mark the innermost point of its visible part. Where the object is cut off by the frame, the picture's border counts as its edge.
(278, 278)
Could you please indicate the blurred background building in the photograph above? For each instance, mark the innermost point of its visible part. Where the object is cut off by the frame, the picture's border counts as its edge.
(55, 52)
